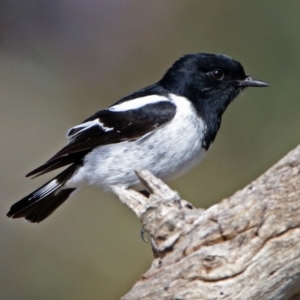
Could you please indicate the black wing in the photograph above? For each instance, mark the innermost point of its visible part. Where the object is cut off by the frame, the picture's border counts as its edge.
(109, 126)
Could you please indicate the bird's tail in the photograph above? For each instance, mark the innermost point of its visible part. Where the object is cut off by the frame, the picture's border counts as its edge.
(41, 203)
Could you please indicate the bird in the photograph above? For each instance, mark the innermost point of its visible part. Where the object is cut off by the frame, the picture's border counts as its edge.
(166, 128)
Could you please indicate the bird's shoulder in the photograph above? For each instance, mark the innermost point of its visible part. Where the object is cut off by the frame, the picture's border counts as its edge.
(151, 90)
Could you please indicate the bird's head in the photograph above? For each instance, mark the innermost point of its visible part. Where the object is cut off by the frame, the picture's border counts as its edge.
(208, 79)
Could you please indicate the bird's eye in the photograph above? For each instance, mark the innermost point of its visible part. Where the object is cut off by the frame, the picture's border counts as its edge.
(217, 74)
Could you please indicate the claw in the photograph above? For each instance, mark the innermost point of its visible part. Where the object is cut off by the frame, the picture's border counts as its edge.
(143, 235)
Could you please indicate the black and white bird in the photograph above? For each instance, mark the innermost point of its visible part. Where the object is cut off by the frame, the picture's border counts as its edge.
(166, 128)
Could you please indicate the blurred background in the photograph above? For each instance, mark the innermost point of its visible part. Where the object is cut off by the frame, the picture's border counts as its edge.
(62, 60)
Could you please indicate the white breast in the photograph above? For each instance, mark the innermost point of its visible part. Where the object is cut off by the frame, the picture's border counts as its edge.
(182, 138)
(168, 152)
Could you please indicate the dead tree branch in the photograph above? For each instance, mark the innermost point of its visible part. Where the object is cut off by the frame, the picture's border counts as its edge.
(245, 247)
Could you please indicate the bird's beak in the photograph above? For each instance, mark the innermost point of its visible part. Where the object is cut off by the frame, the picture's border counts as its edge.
(249, 81)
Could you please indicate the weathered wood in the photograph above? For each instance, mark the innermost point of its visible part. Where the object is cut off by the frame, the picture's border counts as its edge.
(245, 247)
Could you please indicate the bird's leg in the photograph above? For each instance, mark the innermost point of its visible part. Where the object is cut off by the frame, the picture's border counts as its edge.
(143, 230)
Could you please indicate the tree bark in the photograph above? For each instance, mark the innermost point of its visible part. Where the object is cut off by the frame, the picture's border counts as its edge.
(245, 247)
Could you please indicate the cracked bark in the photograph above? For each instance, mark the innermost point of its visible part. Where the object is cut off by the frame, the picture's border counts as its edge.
(245, 247)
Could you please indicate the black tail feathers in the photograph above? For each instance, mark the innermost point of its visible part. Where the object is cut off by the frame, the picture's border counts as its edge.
(41, 203)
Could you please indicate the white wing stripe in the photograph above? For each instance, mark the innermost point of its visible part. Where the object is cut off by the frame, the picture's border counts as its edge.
(86, 126)
(137, 103)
